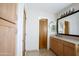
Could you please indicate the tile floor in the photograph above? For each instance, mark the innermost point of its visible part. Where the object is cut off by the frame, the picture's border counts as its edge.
(42, 52)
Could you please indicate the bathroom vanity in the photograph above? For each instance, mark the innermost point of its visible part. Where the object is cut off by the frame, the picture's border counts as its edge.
(64, 45)
(66, 42)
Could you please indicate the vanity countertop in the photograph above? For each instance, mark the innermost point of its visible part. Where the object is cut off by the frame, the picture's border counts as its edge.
(71, 39)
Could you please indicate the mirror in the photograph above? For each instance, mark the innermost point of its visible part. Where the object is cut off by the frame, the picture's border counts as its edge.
(69, 24)
(52, 27)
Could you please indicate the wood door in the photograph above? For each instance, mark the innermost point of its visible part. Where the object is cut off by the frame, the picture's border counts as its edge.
(8, 29)
(7, 40)
(43, 33)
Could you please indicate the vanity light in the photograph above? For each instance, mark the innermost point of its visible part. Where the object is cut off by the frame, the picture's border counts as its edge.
(72, 10)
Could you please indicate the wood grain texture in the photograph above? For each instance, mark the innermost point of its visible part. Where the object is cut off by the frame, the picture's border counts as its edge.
(43, 33)
(66, 27)
(8, 11)
(69, 49)
(7, 40)
(60, 47)
(63, 48)
(55, 45)
(7, 29)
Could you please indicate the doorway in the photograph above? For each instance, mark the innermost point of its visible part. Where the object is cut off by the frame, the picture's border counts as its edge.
(43, 26)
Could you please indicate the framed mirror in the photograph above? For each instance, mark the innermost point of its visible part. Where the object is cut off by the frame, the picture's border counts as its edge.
(69, 24)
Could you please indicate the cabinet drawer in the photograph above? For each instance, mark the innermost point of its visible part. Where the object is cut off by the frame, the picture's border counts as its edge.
(68, 44)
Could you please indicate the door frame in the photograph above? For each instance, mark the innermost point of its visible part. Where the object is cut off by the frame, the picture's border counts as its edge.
(24, 33)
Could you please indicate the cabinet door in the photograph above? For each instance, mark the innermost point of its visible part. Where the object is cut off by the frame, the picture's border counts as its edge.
(51, 43)
(7, 38)
(69, 49)
(55, 45)
(7, 41)
(60, 47)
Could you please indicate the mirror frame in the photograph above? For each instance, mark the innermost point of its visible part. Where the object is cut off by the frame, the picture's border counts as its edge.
(64, 17)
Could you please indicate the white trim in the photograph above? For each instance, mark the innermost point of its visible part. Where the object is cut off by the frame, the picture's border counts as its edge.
(20, 9)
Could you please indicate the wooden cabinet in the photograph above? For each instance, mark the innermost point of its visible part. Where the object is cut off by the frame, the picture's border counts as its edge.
(54, 45)
(43, 33)
(62, 48)
(69, 49)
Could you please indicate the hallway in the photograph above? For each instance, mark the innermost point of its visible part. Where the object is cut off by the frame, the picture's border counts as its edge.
(42, 52)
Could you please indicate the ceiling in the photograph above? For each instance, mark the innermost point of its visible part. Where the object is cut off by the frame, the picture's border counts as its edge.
(47, 7)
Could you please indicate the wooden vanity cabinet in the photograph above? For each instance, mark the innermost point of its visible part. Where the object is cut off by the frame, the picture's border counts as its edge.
(69, 49)
(62, 48)
(54, 44)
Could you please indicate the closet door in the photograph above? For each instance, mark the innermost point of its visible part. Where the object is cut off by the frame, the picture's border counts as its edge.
(7, 41)
(7, 38)
(43, 33)
(7, 29)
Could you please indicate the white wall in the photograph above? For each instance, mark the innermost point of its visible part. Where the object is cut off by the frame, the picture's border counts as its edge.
(20, 9)
(32, 28)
